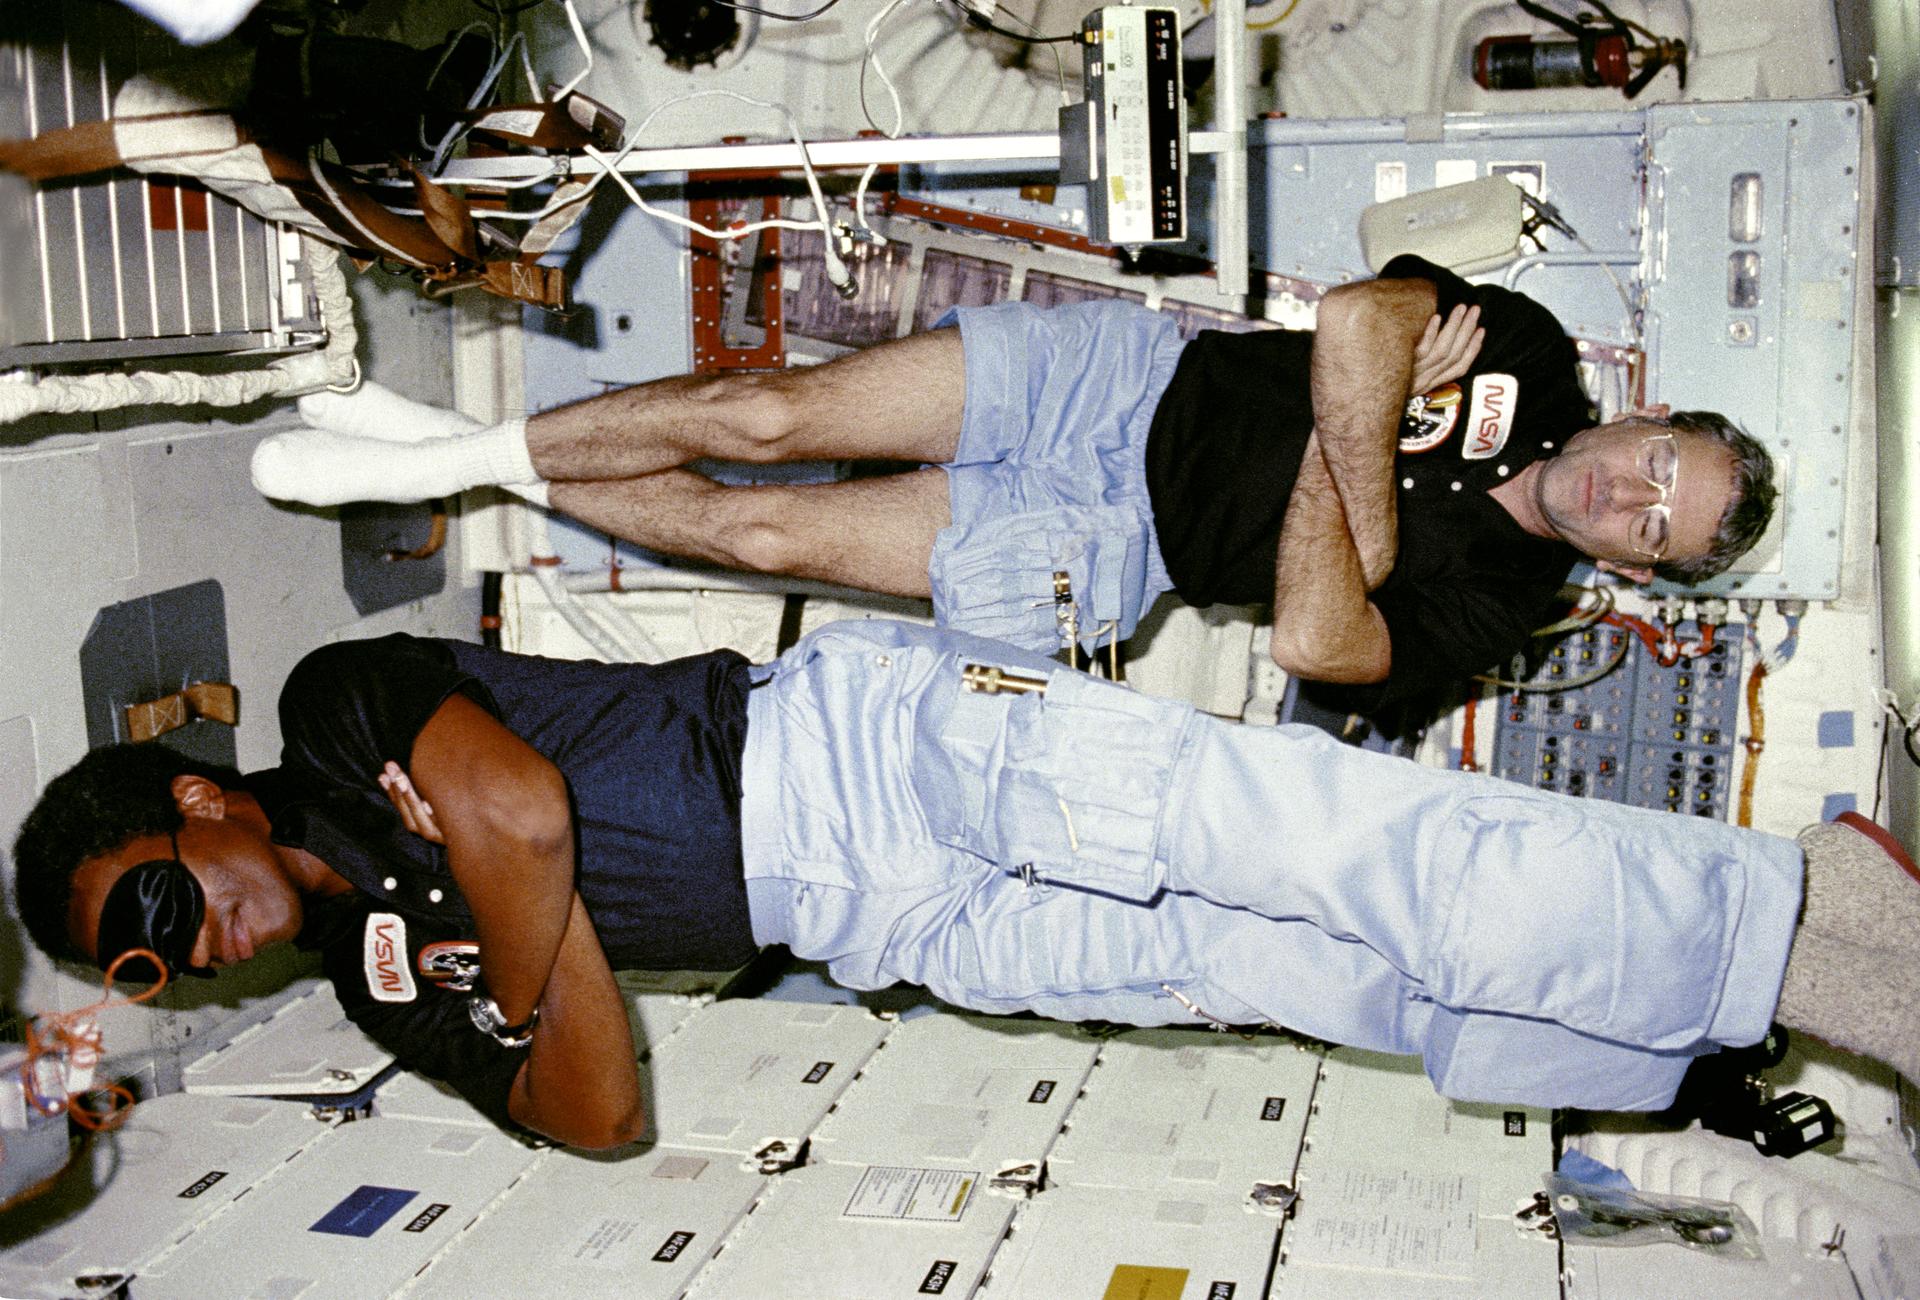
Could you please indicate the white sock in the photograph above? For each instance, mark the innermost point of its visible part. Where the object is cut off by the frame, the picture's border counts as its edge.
(321, 468)
(533, 493)
(374, 411)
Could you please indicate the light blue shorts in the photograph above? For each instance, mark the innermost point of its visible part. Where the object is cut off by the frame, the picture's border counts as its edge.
(1050, 472)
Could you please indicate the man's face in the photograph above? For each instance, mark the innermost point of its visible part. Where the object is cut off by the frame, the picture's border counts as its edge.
(1595, 492)
(250, 901)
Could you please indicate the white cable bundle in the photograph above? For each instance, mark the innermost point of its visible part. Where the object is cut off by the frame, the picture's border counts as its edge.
(332, 367)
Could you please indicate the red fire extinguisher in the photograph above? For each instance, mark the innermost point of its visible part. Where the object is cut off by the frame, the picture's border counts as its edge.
(1603, 51)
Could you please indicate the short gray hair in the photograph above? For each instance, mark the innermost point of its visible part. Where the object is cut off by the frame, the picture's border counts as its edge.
(1747, 514)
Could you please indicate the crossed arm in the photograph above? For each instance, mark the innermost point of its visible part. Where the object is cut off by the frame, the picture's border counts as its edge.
(1374, 343)
(503, 812)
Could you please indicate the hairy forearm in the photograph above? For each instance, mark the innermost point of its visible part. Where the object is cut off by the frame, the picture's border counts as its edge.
(1362, 365)
(581, 1083)
(1324, 627)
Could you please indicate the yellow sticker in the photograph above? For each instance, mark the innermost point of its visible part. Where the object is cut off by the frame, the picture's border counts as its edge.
(1145, 1282)
(1119, 189)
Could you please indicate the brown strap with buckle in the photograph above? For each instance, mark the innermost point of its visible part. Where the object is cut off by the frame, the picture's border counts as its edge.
(214, 701)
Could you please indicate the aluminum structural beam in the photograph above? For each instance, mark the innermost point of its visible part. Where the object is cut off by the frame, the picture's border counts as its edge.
(1026, 147)
(1230, 216)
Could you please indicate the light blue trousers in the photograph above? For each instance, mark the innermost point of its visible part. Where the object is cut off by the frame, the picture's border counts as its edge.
(1094, 853)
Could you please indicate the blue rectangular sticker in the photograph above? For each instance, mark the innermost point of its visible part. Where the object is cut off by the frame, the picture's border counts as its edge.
(363, 1211)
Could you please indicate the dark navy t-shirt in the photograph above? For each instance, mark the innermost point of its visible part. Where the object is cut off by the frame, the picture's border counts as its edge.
(651, 755)
(1468, 583)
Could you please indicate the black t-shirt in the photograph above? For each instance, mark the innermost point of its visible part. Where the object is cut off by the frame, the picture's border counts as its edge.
(1468, 583)
(651, 755)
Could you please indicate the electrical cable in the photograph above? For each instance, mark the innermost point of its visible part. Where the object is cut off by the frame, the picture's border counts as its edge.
(899, 116)
(809, 16)
(1274, 22)
(986, 24)
(75, 1037)
(1880, 770)
(586, 52)
(609, 167)
(1756, 740)
(481, 94)
(1569, 684)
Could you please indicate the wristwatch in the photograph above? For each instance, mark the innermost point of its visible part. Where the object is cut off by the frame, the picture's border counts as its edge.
(488, 1020)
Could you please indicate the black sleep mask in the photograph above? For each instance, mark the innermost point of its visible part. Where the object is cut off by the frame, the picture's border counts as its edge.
(157, 905)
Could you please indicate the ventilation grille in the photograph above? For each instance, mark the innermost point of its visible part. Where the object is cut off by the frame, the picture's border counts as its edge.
(122, 266)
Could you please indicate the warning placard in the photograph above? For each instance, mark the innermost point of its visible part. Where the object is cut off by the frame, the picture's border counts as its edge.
(925, 1195)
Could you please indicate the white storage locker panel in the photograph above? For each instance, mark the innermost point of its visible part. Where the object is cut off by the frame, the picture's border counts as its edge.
(416, 1097)
(1368, 1259)
(961, 1090)
(355, 1216)
(178, 1161)
(1092, 1243)
(652, 1018)
(1168, 1109)
(1381, 1112)
(741, 1074)
(1405, 1192)
(1634, 1272)
(307, 1047)
(862, 1232)
(631, 1222)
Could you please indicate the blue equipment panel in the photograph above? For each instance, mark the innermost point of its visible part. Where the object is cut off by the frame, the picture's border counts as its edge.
(1641, 734)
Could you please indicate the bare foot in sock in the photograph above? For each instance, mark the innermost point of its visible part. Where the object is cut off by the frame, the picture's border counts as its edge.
(1857, 997)
(321, 468)
(1861, 886)
(375, 411)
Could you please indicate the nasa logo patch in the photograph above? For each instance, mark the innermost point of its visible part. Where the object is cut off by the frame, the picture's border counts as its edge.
(384, 953)
(1490, 416)
(1429, 418)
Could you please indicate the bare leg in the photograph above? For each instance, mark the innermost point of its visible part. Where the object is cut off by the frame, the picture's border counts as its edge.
(898, 401)
(876, 534)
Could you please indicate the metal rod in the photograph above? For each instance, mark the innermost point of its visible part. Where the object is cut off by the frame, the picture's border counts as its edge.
(1230, 168)
(1041, 146)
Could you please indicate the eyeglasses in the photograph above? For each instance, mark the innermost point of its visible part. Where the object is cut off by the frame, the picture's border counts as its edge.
(1658, 462)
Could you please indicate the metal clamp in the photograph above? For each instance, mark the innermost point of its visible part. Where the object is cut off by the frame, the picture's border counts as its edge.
(991, 679)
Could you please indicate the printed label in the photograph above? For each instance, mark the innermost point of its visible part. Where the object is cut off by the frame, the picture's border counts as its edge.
(1393, 1220)
(1430, 418)
(1516, 1124)
(202, 1183)
(1042, 1091)
(935, 1282)
(1389, 181)
(424, 1220)
(818, 1072)
(922, 1195)
(510, 121)
(1490, 416)
(1222, 1290)
(1145, 1282)
(670, 1248)
(1273, 1108)
(606, 1241)
(363, 1211)
(389, 977)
